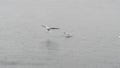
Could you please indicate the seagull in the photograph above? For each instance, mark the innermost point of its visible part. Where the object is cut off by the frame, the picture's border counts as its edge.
(50, 28)
(67, 35)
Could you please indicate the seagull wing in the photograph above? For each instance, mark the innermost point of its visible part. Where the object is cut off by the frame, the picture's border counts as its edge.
(45, 26)
(54, 28)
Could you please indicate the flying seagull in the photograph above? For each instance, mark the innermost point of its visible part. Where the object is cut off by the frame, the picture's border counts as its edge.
(67, 35)
(50, 28)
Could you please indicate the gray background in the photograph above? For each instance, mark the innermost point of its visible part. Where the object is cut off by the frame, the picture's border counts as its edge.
(93, 23)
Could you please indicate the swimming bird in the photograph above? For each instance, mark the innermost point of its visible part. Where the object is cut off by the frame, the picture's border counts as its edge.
(50, 28)
(67, 35)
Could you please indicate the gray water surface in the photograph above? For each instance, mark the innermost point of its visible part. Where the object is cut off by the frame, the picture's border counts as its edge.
(93, 23)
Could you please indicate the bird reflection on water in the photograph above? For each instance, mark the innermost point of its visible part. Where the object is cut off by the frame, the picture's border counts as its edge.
(50, 44)
(51, 48)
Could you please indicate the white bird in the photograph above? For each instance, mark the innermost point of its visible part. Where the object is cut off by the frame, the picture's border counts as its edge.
(50, 28)
(67, 35)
